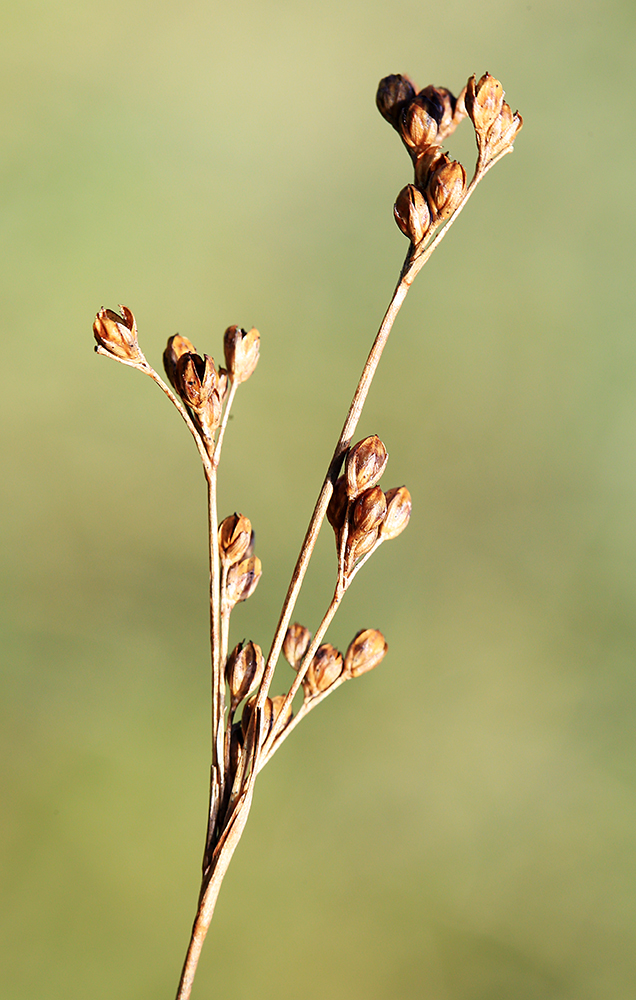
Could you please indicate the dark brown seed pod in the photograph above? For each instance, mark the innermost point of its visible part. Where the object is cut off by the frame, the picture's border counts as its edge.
(235, 534)
(337, 508)
(242, 579)
(398, 512)
(442, 108)
(116, 336)
(176, 346)
(366, 650)
(196, 382)
(394, 92)
(241, 349)
(412, 214)
(365, 464)
(324, 669)
(368, 512)
(295, 643)
(244, 669)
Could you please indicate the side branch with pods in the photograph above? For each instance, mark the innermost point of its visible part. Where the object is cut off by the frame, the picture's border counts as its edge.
(361, 514)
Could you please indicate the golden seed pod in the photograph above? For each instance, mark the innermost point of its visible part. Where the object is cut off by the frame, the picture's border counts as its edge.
(295, 643)
(242, 579)
(196, 382)
(412, 213)
(417, 125)
(241, 349)
(116, 336)
(446, 189)
(365, 463)
(243, 670)
(235, 535)
(398, 512)
(176, 346)
(484, 101)
(366, 650)
(394, 92)
(324, 669)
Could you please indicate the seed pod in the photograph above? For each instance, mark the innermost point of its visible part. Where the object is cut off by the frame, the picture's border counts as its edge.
(324, 669)
(365, 464)
(484, 101)
(412, 214)
(398, 512)
(277, 704)
(417, 125)
(176, 346)
(442, 108)
(426, 164)
(244, 669)
(365, 652)
(235, 533)
(394, 92)
(267, 717)
(116, 336)
(295, 643)
(197, 383)
(241, 349)
(242, 579)
(369, 511)
(502, 132)
(337, 507)
(236, 747)
(446, 189)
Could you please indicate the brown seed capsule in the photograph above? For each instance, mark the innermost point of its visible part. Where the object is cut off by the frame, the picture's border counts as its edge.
(244, 669)
(235, 534)
(116, 336)
(441, 106)
(241, 349)
(324, 669)
(417, 125)
(368, 512)
(277, 704)
(394, 92)
(398, 512)
(502, 132)
(236, 747)
(337, 508)
(176, 346)
(197, 383)
(446, 189)
(295, 643)
(484, 101)
(412, 214)
(365, 464)
(425, 165)
(365, 652)
(267, 717)
(242, 579)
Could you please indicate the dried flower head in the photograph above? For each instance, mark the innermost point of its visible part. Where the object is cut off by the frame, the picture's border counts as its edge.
(394, 93)
(366, 650)
(446, 188)
(241, 349)
(116, 336)
(196, 381)
(412, 213)
(495, 125)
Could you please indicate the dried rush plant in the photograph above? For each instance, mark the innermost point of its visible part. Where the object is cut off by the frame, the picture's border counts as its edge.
(361, 514)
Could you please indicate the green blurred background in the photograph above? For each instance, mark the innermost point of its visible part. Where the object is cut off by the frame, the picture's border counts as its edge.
(460, 824)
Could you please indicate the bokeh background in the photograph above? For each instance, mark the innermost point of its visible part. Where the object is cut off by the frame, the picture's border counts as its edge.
(460, 824)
